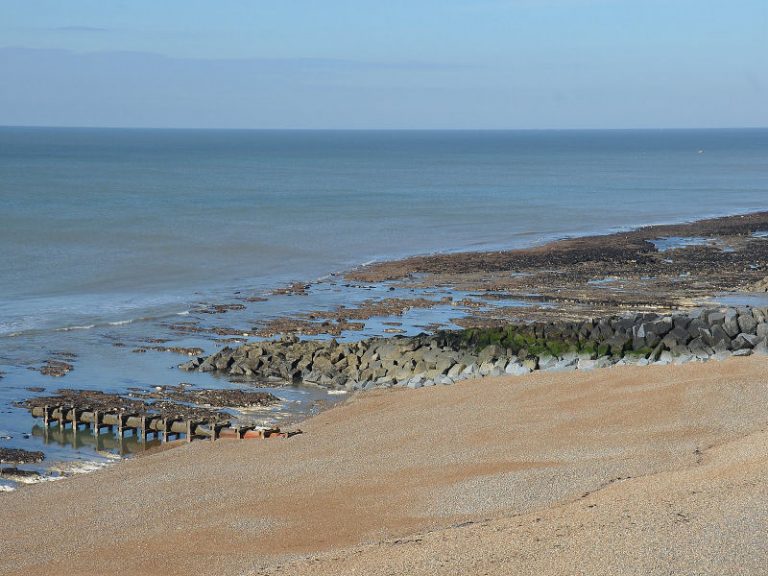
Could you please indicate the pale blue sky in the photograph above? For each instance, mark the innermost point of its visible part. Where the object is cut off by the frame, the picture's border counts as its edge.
(393, 64)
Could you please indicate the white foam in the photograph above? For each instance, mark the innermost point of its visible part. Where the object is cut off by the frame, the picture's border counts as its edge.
(69, 328)
(36, 479)
(78, 467)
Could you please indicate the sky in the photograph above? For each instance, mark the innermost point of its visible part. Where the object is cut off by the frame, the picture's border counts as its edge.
(359, 64)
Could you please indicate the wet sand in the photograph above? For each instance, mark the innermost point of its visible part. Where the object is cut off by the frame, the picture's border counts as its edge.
(651, 470)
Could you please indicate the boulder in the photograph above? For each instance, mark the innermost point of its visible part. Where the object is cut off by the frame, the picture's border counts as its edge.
(715, 317)
(680, 321)
(565, 364)
(747, 322)
(191, 365)
(389, 352)
(531, 363)
(208, 365)
(486, 368)
(604, 362)
(470, 371)
(322, 363)
(731, 323)
(683, 359)
(415, 382)
(223, 362)
(618, 344)
(698, 329)
(443, 365)
(456, 370)
(586, 364)
(515, 368)
(720, 338)
(744, 342)
(547, 362)
(761, 347)
(490, 352)
(677, 334)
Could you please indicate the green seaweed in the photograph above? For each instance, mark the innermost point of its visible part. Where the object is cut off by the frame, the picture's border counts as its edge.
(643, 352)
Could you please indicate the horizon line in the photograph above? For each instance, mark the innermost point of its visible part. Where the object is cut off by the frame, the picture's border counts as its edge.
(375, 129)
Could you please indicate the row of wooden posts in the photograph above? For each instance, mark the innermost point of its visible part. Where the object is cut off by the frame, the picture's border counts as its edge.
(144, 425)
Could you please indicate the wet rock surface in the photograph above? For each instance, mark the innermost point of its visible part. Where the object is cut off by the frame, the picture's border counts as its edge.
(760, 286)
(343, 319)
(448, 356)
(593, 276)
(94, 399)
(307, 327)
(60, 364)
(56, 368)
(209, 397)
(19, 456)
(171, 401)
(292, 289)
(174, 349)
(219, 308)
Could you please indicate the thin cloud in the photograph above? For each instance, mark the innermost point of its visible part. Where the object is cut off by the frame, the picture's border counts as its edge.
(79, 29)
(253, 64)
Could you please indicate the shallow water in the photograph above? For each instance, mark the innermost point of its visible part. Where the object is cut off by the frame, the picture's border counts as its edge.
(753, 299)
(109, 236)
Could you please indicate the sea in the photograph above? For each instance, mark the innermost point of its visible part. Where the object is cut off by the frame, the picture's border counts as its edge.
(110, 236)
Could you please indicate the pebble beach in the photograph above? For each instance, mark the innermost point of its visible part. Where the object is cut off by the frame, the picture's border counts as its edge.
(642, 470)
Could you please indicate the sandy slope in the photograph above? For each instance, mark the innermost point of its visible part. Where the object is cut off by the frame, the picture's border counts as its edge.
(660, 470)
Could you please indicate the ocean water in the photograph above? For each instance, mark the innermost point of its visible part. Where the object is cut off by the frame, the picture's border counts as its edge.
(108, 225)
(107, 234)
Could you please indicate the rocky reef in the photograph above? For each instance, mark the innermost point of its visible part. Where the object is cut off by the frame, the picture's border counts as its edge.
(449, 356)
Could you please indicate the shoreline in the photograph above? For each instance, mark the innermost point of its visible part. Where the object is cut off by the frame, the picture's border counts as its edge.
(391, 267)
(484, 304)
(442, 465)
(442, 359)
(552, 239)
(636, 240)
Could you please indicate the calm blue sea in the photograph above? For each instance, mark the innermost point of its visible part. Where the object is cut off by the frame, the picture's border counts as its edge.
(101, 224)
(101, 227)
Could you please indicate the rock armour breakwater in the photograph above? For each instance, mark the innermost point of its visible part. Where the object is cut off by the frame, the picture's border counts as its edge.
(449, 356)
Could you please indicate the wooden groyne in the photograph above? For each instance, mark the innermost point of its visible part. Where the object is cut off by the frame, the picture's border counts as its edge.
(144, 425)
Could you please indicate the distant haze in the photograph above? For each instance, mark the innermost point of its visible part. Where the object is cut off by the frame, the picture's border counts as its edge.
(396, 64)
